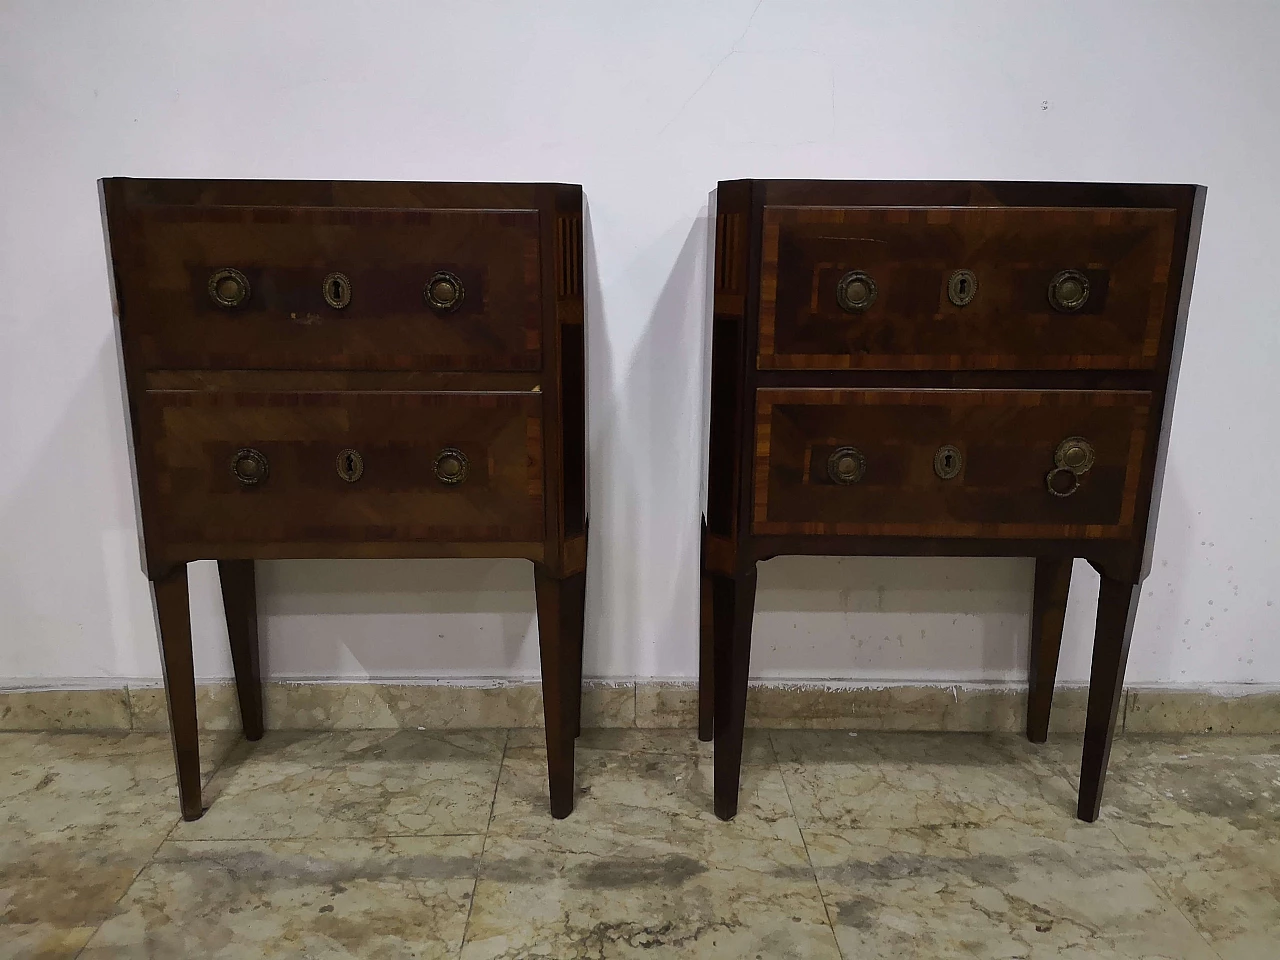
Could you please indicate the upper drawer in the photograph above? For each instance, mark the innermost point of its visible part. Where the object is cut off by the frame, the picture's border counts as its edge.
(915, 288)
(231, 466)
(307, 288)
(949, 463)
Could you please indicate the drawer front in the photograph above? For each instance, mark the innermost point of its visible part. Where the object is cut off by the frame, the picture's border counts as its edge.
(293, 316)
(949, 463)
(873, 288)
(242, 467)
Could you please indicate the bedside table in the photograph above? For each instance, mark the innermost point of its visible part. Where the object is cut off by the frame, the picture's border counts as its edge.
(344, 369)
(958, 369)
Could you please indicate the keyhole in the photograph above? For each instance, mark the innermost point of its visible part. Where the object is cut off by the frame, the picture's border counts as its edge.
(337, 290)
(350, 465)
(948, 460)
(964, 287)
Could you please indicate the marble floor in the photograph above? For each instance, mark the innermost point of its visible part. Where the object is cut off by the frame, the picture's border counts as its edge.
(424, 844)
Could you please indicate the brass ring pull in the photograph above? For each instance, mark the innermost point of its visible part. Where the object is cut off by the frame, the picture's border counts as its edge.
(948, 462)
(228, 287)
(249, 466)
(1068, 290)
(855, 292)
(452, 466)
(847, 465)
(336, 290)
(962, 287)
(444, 291)
(1072, 460)
(350, 465)
(1062, 481)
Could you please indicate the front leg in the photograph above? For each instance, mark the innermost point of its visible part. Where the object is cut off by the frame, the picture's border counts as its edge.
(1117, 608)
(734, 601)
(173, 623)
(560, 619)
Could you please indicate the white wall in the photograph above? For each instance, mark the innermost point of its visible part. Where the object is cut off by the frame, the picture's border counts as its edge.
(647, 105)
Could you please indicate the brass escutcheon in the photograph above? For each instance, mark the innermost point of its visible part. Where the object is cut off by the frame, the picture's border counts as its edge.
(452, 466)
(444, 291)
(1074, 453)
(1068, 290)
(228, 287)
(350, 465)
(948, 462)
(249, 466)
(847, 465)
(855, 292)
(962, 287)
(336, 290)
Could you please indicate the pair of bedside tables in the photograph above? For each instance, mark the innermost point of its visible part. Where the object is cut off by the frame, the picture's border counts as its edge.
(398, 370)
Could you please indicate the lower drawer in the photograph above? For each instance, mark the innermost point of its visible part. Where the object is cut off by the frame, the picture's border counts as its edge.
(948, 463)
(252, 467)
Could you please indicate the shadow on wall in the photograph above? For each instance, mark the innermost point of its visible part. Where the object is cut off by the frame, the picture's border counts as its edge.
(893, 618)
(74, 607)
(397, 618)
(663, 466)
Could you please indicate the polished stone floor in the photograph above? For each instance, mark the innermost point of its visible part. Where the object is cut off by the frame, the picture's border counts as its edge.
(423, 844)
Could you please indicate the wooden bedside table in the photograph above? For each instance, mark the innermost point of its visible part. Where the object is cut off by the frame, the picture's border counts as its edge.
(958, 369)
(345, 369)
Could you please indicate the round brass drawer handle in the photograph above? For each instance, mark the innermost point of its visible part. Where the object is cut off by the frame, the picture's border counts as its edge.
(962, 287)
(228, 287)
(249, 466)
(948, 462)
(1068, 290)
(350, 465)
(336, 290)
(847, 465)
(452, 466)
(1074, 453)
(855, 292)
(1062, 481)
(444, 291)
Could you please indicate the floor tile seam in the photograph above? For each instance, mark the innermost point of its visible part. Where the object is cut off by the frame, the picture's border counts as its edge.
(344, 838)
(1164, 893)
(484, 843)
(804, 841)
(150, 859)
(128, 702)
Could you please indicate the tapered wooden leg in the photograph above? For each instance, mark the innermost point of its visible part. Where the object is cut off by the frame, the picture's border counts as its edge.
(706, 652)
(173, 622)
(733, 604)
(1049, 610)
(559, 627)
(1117, 607)
(239, 601)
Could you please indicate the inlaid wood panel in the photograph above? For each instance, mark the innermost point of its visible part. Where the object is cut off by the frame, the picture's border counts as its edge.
(285, 253)
(1014, 253)
(192, 438)
(1005, 439)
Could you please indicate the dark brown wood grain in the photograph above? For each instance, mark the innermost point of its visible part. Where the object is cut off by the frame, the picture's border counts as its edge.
(1004, 379)
(300, 380)
(1006, 439)
(1014, 253)
(286, 254)
(304, 498)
